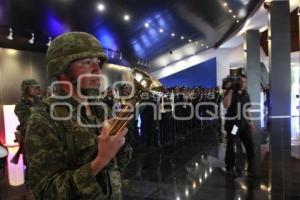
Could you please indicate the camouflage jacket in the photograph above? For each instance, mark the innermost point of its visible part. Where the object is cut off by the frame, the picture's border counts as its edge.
(49, 175)
(23, 110)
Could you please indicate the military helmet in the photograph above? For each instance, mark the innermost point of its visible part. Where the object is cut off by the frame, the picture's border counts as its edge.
(69, 47)
(28, 82)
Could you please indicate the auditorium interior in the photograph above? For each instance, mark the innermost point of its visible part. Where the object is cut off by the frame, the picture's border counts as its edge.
(191, 49)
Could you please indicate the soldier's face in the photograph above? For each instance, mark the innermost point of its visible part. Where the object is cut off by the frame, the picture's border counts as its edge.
(86, 67)
(32, 91)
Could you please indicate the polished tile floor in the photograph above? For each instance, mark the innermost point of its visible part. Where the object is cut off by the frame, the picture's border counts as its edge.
(193, 168)
(190, 169)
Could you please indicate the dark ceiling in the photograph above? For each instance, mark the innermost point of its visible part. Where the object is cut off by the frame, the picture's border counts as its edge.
(188, 18)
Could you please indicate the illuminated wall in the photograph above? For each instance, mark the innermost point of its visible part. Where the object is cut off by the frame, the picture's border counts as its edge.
(15, 171)
(203, 74)
(16, 66)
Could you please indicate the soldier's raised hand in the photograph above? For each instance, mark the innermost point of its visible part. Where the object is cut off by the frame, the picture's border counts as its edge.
(108, 147)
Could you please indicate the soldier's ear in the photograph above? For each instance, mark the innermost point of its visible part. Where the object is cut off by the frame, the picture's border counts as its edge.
(65, 87)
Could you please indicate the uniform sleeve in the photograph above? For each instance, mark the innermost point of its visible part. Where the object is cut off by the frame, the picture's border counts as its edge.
(48, 175)
(124, 157)
(22, 112)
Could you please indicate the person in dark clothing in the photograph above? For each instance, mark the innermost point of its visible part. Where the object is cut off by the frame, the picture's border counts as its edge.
(150, 124)
(238, 125)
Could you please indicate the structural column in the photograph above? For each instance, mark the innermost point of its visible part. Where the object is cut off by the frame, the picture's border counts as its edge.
(280, 59)
(280, 97)
(252, 59)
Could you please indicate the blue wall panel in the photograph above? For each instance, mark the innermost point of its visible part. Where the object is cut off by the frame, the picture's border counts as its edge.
(203, 74)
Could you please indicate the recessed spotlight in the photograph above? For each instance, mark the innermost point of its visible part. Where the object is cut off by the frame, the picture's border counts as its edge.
(230, 11)
(190, 40)
(31, 40)
(10, 36)
(207, 47)
(202, 45)
(182, 37)
(101, 7)
(234, 16)
(237, 21)
(173, 34)
(196, 43)
(225, 4)
(49, 42)
(161, 30)
(126, 17)
(146, 25)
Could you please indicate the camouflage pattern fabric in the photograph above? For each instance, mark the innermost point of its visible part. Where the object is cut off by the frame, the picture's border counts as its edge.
(48, 174)
(69, 47)
(23, 110)
(28, 82)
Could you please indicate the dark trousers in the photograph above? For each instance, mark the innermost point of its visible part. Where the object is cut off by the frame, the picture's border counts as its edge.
(245, 137)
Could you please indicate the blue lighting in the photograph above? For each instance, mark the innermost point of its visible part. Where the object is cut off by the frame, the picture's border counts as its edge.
(202, 74)
(155, 36)
(138, 49)
(54, 26)
(106, 38)
(162, 22)
(153, 33)
(145, 40)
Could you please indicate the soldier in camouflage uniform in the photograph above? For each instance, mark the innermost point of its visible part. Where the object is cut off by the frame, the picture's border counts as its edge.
(23, 110)
(29, 98)
(67, 160)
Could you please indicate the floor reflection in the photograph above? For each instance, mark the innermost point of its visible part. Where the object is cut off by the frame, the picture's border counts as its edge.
(191, 169)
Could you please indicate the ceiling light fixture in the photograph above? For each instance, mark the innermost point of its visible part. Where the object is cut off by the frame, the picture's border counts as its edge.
(31, 40)
(173, 34)
(161, 30)
(190, 40)
(182, 37)
(234, 16)
(126, 17)
(10, 36)
(225, 4)
(237, 21)
(146, 25)
(49, 42)
(230, 11)
(101, 7)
